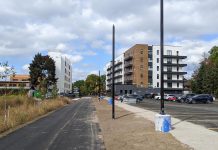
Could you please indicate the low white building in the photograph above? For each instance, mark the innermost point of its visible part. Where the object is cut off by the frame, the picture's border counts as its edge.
(118, 72)
(63, 72)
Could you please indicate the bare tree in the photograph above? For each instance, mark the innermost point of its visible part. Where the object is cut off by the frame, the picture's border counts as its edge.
(5, 72)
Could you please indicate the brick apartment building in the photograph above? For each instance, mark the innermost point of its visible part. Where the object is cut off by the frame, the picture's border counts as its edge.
(140, 66)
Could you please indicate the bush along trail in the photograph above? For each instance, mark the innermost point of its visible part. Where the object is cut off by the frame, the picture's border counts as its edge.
(21, 109)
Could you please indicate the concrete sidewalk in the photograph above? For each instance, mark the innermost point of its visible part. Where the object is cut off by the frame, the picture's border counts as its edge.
(196, 136)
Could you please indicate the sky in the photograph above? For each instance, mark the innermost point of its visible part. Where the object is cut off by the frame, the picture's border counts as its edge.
(82, 30)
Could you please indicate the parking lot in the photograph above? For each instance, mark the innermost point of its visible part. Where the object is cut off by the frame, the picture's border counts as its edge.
(201, 114)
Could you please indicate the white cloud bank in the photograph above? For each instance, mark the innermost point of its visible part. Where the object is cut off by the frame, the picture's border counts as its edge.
(79, 27)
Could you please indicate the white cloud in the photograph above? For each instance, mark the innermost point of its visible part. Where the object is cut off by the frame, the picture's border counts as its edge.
(26, 68)
(94, 72)
(79, 27)
(72, 58)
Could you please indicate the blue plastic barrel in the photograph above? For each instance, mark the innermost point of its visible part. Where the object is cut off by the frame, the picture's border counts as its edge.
(110, 101)
(166, 126)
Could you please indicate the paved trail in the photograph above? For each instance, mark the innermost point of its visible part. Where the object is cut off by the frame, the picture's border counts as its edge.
(72, 127)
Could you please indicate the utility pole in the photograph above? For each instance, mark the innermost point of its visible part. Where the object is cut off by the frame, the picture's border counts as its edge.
(99, 86)
(162, 53)
(113, 51)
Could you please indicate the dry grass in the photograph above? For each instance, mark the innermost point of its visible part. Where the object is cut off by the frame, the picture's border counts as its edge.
(23, 109)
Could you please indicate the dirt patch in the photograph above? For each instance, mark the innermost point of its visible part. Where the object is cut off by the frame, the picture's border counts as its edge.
(128, 132)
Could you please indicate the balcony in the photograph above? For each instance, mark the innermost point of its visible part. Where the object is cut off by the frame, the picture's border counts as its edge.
(118, 83)
(118, 70)
(108, 74)
(128, 58)
(176, 65)
(175, 56)
(109, 79)
(128, 72)
(118, 76)
(118, 63)
(128, 65)
(109, 68)
(171, 80)
(128, 81)
(174, 72)
(172, 89)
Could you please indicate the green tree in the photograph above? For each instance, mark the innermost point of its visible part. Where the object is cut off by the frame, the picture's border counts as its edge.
(80, 84)
(92, 82)
(103, 83)
(205, 79)
(42, 72)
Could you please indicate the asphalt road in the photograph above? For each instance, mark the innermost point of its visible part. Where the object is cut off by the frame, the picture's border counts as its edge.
(69, 128)
(201, 114)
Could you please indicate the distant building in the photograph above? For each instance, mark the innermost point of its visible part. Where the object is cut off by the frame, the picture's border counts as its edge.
(63, 72)
(119, 72)
(16, 82)
(141, 68)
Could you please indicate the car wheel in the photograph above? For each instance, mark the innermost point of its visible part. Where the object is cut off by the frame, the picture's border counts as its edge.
(193, 101)
(208, 101)
(182, 101)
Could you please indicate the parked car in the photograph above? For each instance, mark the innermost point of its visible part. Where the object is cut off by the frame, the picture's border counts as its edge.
(120, 97)
(139, 98)
(178, 96)
(157, 97)
(147, 95)
(201, 98)
(171, 98)
(185, 97)
(132, 98)
(166, 96)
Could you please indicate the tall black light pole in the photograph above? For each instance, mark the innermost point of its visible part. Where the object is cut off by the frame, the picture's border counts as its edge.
(113, 51)
(99, 85)
(162, 52)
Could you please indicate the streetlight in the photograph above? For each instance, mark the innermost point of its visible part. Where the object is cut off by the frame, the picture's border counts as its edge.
(162, 53)
(162, 120)
(113, 51)
(99, 86)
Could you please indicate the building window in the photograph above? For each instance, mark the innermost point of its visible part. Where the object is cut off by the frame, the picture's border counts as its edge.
(169, 85)
(125, 91)
(169, 60)
(157, 76)
(121, 92)
(169, 68)
(141, 59)
(158, 68)
(157, 60)
(177, 69)
(65, 70)
(141, 67)
(169, 77)
(169, 52)
(65, 63)
(157, 52)
(157, 84)
(177, 77)
(141, 75)
(130, 91)
(177, 85)
(141, 51)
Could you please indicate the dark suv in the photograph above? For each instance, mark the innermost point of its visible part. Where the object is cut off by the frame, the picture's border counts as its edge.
(201, 98)
(185, 97)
